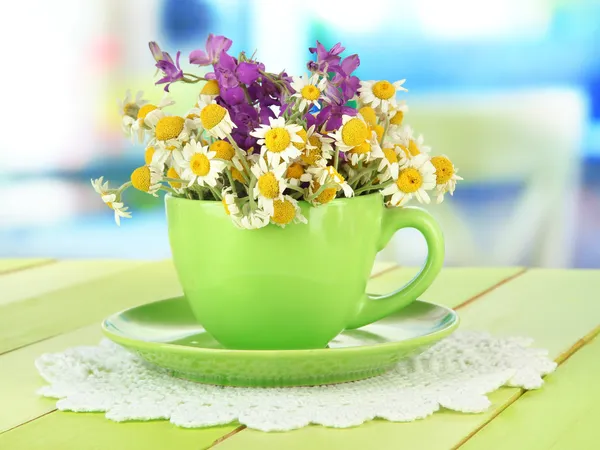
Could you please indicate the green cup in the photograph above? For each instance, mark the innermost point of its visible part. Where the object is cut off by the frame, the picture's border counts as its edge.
(292, 288)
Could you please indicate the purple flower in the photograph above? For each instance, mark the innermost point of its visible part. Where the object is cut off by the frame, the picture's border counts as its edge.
(331, 116)
(215, 45)
(233, 96)
(327, 60)
(171, 70)
(248, 72)
(225, 70)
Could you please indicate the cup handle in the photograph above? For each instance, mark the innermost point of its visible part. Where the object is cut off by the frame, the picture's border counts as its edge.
(374, 308)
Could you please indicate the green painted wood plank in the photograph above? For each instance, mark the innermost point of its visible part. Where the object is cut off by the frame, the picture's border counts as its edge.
(564, 415)
(41, 280)
(63, 310)
(72, 431)
(14, 264)
(554, 307)
(19, 379)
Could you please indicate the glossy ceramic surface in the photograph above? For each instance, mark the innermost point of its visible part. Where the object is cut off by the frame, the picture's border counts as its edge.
(167, 334)
(292, 288)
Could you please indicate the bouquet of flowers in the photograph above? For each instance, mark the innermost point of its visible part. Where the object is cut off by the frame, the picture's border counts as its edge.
(260, 142)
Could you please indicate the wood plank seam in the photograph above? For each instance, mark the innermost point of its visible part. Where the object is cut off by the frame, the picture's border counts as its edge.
(490, 289)
(32, 266)
(560, 360)
(463, 304)
(226, 436)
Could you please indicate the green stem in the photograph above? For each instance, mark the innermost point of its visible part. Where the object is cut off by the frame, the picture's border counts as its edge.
(123, 187)
(247, 94)
(295, 188)
(320, 190)
(216, 193)
(250, 194)
(195, 76)
(231, 181)
(168, 189)
(336, 159)
(370, 187)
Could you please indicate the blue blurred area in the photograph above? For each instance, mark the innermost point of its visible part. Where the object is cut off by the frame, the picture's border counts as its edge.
(465, 46)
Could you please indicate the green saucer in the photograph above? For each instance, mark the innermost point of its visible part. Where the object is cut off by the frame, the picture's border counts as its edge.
(165, 333)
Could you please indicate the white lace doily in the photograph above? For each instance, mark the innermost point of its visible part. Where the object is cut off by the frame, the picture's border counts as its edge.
(456, 373)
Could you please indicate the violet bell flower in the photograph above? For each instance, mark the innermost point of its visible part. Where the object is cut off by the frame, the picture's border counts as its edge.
(171, 70)
(214, 46)
(327, 60)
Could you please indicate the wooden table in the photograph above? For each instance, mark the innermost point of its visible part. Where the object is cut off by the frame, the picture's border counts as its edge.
(47, 306)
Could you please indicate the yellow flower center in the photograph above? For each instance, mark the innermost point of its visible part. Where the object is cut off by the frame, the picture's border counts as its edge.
(443, 169)
(326, 196)
(148, 154)
(335, 174)
(225, 206)
(131, 110)
(144, 110)
(110, 205)
(368, 114)
(310, 92)
(277, 139)
(310, 158)
(212, 115)
(354, 132)
(169, 127)
(378, 129)
(283, 212)
(200, 164)
(140, 178)
(384, 90)
(295, 170)
(224, 150)
(390, 155)
(361, 149)
(172, 173)
(268, 185)
(397, 119)
(192, 116)
(237, 175)
(210, 88)
(409, 180)
(315, 141)
(412, 149)
(301, 145)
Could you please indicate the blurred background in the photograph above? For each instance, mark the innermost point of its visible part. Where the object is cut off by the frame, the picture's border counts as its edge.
(509, 89)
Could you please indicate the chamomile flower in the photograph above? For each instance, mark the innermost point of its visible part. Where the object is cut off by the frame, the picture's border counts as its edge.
(215, 119)
(366, 151)
(147, 117)
(270, 184)
(148, 178)
(114, 203)
(277, 140)
(129, 107)
(173, 174)
(328, 175)
(286, 211)
(251, 220)
(353, 132)
(198, 164)
(445, 176)
(229, 202)
(396, 114)
(209, 91)
(414, 180)
(380, 94)
(308, 90)
(394, 158)
(318, 147)
(173, 131)
(100, 186)
(296, 173)
(163, 153)
(411, 144)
